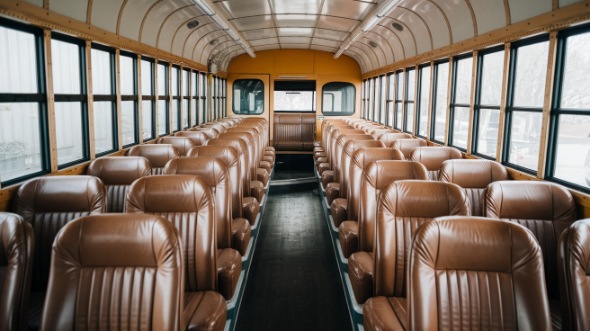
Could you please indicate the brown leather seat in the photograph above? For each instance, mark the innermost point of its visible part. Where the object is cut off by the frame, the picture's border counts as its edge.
(263, 122)
(473, 175)
(294, 132)
(338, 208)
(327, 164)
(256, 174)
(210, 132)
(267, 153)
(574, 267)
(348, 231)
(48, 203)
(117, 173)
(262, 161)
(188, 203)
(407, 145)
(388, 138)
(116, 271)
(380, 177)
(216, 126)
(231, 233)
(157, 154)
(451, 287)
(16, 245)
(182, 144)
(433, 157)
(547, 209)
(199, 138)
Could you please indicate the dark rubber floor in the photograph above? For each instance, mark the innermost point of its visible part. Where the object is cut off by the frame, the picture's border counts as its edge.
(293, 282)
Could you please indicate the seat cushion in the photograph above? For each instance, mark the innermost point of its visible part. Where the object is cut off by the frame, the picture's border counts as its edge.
(262, 175)
(257, 190)
(360, 271)
(269, 149)
(381, 313)
(338, 208)
(241, 232)
(348, 237)
(204, 311)
(324, 166)
(320, 155)
(332, 192)
(250, 209)
(229, 266)
(327, 177)
(265, 165)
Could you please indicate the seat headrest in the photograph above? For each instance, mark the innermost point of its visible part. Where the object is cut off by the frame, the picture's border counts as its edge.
(343, 138)
(385, 171)
(366, 155)
(199, 138)
(183, 144)
(227, 154)
(211, 169)
(248, 138)
(157, 154)
(472, 173)
(238, 144)
(352, 145)
(433, 156)
(119, 170)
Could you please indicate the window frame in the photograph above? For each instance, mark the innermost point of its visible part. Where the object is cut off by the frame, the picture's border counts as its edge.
(249, 112)
(453, 104)
(418, 97)
(134, 98)
(152, 97)
(332, 113)
(399, 100)
(433, 101)
(406, 101)
(163, 97)
(110, 97)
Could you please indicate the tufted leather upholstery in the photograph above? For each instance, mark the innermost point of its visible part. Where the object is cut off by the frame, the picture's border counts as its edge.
(574, 268)
(545, 208)
(433, 157)
(388, 138)
(348, 230)
(117, 173)
(446, 268)
(339, 205)
(256, 174)
(294, 132)
(473, 176)
(117, 271)
(182, 144)
(210, 132)
(407, 145)
(199, 138)
(378, 176)
(16, 258)
(157, 154)
(231, 233)
(48, 203)
(220, 128)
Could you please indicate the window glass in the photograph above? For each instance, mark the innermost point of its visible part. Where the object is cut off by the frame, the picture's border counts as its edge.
(423, 101)
(460, 127)
(399, 99)
(175, 119)
(185, 106)
(487, 131)
(572, 155)
(529, 80)
(575, 91)
(294, 101)
(487, 108)
(383, 99)
(103, 127)
(147, 78)
(66, 67)
(463, 81)
(248, 97)
(162, 117)
(390, 98)
(127, 75)
(175, 90)
(101, 72)
(68, 128)
(185, 83)
(411, 84)
(525, 133)
(128, 122)
(162, 79)
(18, 64)
(339, 98)
(147, 119)
(440, 116)
(409, 118)
(491, 78)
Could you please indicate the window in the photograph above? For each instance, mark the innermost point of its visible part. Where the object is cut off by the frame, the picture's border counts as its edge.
(175, 104)
(382, 100)
(294, 96)
(71, 117)
(128, 73)
(569, 159)
(147, 99)
(105, 99)
(524, 108)
(399, 94)
(23, 119)
(423, 100)
(224, 97)
(439, 102)
(460, 102)
(203, 84)
(371, 111)
(486, 117)
(338, 99)
(364, 100)
(185, 99)
(409, 100)
(163, 99)
(390, 98)
(248, 96)
(194, 99)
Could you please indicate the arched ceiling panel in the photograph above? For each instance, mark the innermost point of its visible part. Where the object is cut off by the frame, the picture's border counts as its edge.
(183, 33)
(254, 35)
(416, 27)
(367, 54)
(240, 8)
(202, 35)
(105, 14)
(436, 21)
(490, 15)
(384, 45)
(132, 16)
(254, 22)
(460, 17)
(204, 49)
(521, 10)
(74, 9)
(346, 8)
(288, 7)
(377, 51)
(330, 34)
(405, 37)
(175, 22)
(155, 19)
(264, 42)
(337, 23)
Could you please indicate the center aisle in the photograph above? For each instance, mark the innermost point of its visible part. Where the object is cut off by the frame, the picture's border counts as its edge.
(293, 282)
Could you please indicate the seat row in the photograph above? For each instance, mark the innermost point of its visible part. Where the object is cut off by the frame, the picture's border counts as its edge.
(379, 201)
(193, 193)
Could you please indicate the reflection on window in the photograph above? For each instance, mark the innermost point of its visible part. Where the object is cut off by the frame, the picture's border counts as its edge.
(441, 87)
(575, 91)
(66, 67)
(529, 80)
(572, 158)
(163, 99)
(128, 122)
(423, 101)
(127, 75)
(382, 100)
(459, 125)
(399, 80)
(203, 84)
(103, 127)
(147, 100)
(294, 101)
(129, 96)
(390, 98)
(101, 72)
(525, 134)
(147, 119)
(338, 99)
(18, 66)
(409, 101)
(68, 128)
(487, 131)
(147, 76)
(248, 96)
(162, 117)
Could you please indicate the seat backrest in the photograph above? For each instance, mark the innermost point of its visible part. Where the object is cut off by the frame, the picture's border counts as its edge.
(574, 268)
(337, 132)
(308, 131)
(547, 209)
(210, 132)
(182, 144)
(388, 138)
(359, 160)
(117, 173)
(452, 286)
(187, 202)
(240, 146)
(433, 157)
(157, 154)
(16, 263)
(216, 126)
(216, 174)
(348, 150)
(116, 271)
(199, 138)
(404, 206)
(473, 175)
(329, 136)
(377, 133)
(230, 157)
(377, 176)
(256, 133)
(251, 149)
(407, 145)
(48, 203)
(337, 165)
